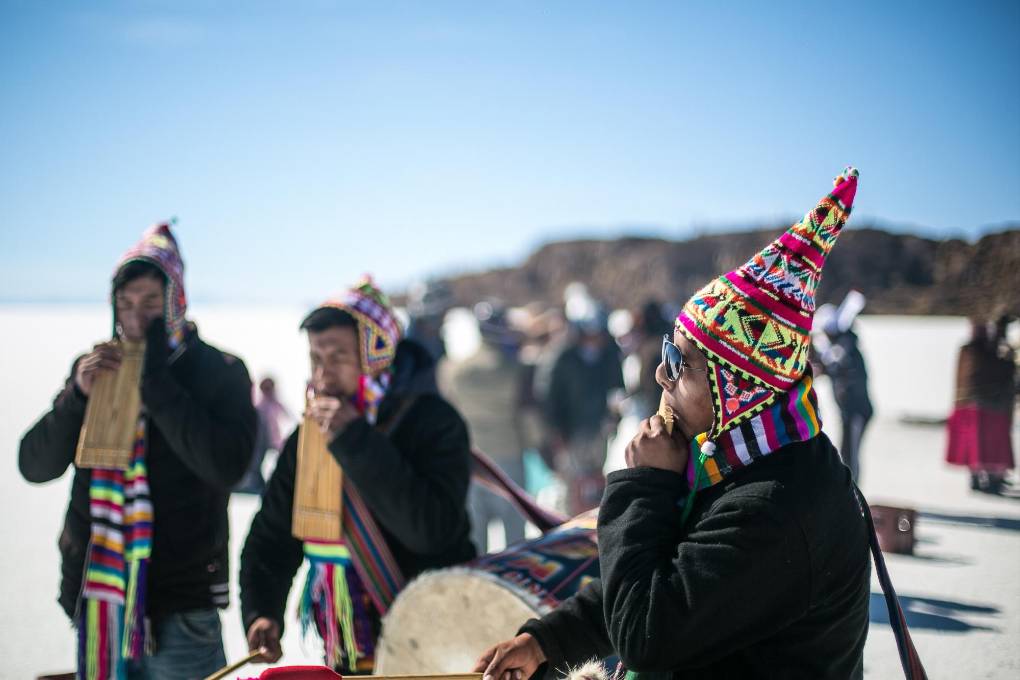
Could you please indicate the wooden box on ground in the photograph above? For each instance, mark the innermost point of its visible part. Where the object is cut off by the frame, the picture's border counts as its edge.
(895, 528)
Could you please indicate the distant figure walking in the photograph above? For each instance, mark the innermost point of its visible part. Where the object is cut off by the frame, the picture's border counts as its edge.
(839, 354)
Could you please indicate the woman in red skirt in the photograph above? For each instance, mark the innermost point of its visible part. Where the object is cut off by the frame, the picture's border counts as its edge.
(981, 423)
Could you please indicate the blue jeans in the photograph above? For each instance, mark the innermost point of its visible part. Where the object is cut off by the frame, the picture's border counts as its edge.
(188, 645)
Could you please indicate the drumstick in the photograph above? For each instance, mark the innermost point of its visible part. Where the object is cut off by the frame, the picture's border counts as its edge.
(227, 670)
(666, 413)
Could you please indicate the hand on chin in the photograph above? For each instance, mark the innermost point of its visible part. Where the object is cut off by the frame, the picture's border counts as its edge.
(654, 447)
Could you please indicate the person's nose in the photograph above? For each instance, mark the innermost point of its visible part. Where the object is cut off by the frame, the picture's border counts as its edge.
(318, 378)
(662, 379)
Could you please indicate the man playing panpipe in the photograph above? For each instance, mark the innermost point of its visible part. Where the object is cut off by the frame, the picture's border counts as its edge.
(144, 543)
(398, 458)
(735, 547)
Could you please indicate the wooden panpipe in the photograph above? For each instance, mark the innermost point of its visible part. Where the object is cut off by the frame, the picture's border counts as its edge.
(318, 487)
(107, 436)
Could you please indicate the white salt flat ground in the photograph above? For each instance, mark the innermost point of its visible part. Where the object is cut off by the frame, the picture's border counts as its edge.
(961, 589)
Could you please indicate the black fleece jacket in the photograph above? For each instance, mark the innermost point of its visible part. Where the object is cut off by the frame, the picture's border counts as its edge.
(770, 579)
(200, 433)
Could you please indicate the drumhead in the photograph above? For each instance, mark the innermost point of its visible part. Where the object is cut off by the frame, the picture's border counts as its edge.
(442, 621)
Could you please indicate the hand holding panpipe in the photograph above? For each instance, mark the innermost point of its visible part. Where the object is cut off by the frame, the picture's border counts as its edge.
(108, 431)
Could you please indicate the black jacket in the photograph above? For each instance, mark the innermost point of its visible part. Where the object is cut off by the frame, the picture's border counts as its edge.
(771, 580)
(414, 482)
(201, 429)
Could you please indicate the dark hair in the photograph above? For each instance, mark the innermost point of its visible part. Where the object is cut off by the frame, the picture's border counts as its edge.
(326, 317)
(137, 269)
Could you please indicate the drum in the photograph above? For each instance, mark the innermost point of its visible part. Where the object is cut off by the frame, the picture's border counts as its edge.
(443, 620)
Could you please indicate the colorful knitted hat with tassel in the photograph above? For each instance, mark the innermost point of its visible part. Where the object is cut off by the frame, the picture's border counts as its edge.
(378, 327)
(754, 323)
(158, 247)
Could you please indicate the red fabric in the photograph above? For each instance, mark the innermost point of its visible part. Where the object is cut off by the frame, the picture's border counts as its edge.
(979, 438)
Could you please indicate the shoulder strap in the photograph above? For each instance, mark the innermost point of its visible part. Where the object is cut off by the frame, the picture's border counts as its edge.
(489, 475)
(371, 555)
(911, 662)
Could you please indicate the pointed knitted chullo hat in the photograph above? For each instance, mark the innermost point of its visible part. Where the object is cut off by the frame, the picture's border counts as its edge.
(754, 323)
(158, 247)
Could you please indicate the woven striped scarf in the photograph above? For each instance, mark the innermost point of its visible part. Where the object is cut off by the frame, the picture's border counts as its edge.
(792, 418)
(349, 578)
(111, 618)
(112, 627)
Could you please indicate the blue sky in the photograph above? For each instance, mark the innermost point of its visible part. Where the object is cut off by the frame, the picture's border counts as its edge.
(302, 143)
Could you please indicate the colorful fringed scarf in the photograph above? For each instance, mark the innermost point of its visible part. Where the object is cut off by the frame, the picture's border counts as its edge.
(348, 579)
(112, 627)
(327, 600)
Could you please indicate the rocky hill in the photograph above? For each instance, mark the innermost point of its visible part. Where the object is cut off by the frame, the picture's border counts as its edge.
(899, 273)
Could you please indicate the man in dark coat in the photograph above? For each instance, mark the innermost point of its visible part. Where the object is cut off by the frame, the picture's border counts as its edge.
(199, 428)
(735, 544)
(402, 449)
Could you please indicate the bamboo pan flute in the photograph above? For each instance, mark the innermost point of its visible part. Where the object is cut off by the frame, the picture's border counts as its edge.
(317, 490)
(107, 436)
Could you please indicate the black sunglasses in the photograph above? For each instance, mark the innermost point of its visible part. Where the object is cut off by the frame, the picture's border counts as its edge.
(674, 360)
